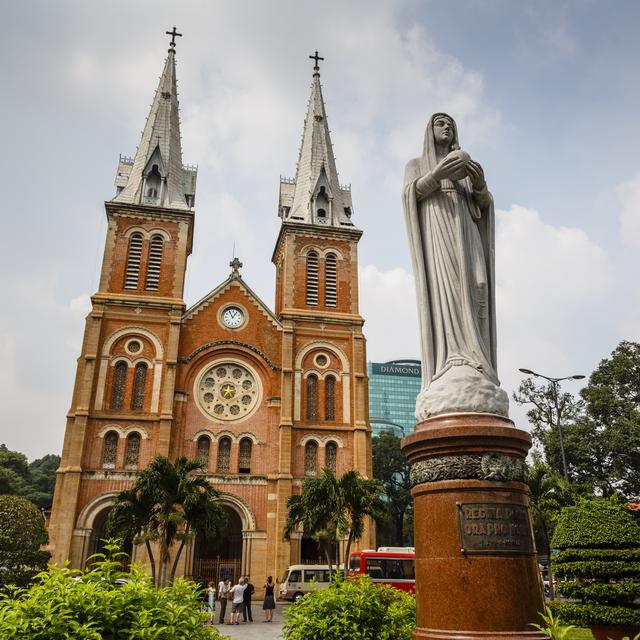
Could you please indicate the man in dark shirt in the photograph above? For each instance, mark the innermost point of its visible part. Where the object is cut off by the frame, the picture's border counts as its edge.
(248, 592)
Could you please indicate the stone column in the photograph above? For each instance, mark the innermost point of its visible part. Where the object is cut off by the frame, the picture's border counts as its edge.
(477, 574)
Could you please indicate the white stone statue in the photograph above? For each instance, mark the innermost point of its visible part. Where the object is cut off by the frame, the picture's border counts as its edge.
(450, 222)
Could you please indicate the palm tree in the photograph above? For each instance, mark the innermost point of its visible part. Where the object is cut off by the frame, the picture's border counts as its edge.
(329, 508)
(169, 501)
(548, 493)
(361, 498)
(317, 510)
(131, 518)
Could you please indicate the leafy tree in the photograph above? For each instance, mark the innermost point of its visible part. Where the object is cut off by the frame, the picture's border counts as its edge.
(354, 609)
(104, 604)
(392, 469)
(549, 407)
(329, 508)
(613, 404)
(34, 481)
(22, 533)
(601, 429)
(169, 502)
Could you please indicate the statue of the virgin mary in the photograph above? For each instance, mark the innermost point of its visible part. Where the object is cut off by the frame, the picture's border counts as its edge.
(450, 222)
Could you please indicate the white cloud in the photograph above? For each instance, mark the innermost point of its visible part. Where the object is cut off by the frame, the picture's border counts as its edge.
(388, 304)
(629, 196)
(551, 282)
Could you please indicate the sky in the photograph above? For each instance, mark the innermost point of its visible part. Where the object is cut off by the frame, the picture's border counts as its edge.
(545, 94)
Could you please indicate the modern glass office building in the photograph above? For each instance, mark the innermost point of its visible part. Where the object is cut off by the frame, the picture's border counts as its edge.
(393, 387)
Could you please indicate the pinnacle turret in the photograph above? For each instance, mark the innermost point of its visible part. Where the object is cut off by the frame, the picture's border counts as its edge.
(315, 196)
(156, 176)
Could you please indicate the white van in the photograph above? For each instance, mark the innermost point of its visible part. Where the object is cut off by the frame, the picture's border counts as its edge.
(302, 578)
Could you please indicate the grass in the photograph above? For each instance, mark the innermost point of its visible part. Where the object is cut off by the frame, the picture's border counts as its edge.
(580, 634)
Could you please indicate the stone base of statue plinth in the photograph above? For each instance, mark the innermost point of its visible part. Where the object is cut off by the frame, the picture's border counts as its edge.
(476, 570)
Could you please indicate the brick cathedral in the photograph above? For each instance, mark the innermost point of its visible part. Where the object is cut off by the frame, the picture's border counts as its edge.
(262, 397)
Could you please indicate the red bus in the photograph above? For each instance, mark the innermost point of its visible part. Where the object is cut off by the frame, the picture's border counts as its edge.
(395, 566)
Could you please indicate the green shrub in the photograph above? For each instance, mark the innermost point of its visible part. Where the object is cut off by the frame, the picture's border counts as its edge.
(600, 562)
(352, 608)
(22, 533)
(94, 606)
(593, 524)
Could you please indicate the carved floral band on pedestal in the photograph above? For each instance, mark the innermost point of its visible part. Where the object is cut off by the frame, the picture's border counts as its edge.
(488, 466)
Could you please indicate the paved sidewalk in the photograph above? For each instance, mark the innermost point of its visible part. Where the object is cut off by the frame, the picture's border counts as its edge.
(256, 630)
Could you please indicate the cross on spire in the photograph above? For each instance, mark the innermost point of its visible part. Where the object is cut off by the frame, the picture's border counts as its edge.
(235, 265)
(316, 57)
(173, 35)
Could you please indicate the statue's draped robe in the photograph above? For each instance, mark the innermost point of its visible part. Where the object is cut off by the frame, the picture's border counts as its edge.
(451, 233)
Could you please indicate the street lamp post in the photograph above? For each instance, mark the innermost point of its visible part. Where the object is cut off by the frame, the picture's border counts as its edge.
(556, 401)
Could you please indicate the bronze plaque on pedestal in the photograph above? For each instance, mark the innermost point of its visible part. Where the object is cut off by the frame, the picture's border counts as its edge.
(494, 528)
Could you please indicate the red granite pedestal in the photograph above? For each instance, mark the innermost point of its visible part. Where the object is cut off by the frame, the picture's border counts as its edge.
(476, 570)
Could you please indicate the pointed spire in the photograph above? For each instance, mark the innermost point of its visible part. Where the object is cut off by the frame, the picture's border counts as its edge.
(315, 196)
(156, 176)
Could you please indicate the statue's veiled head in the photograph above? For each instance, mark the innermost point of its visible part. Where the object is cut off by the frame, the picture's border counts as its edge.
(441, 131)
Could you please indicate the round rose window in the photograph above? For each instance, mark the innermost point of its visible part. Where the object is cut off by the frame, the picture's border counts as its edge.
(228, 391)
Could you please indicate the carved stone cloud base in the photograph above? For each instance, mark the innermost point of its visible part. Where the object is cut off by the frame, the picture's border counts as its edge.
(476, 569)
(461, 389)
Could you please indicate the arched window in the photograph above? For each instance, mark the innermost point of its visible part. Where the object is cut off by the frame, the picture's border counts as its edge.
(110, 450)
(224, 455)
(312, 278)
(202, 451)
(312, 397)
(244, 456)
(311, 458)
(331, 456)
(330, 280)
(139, 381)
(133, 261)
(330, 398)
(154, 262)
(119, 383)
(132, 451)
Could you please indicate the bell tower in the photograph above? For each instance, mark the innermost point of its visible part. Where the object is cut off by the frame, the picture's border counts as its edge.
(324, 380)
(121, 414)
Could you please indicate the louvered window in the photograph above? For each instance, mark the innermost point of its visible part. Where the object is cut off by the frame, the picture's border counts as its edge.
(132, 452)
(330, 398)
(133, 261)
(312, 278)
(110, 450)
(330, 281)
(119, 383)
(139, 382)
(311, 458)
(154, 262)
(312, 397)
(331, 456)
(204, 444)
(244, 456)
(224, 455)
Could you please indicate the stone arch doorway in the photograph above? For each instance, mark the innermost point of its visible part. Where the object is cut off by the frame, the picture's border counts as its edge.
(99, 534)
(220, 558)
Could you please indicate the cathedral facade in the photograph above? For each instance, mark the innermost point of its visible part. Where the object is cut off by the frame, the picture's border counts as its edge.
(263, 397)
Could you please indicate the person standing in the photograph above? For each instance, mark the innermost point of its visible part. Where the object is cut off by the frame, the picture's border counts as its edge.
(223, 592)
(248, 592)
(237, 601)
(211, 603)
(269, 603)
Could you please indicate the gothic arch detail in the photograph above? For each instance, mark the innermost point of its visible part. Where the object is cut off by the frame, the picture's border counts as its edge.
(241, 508)
(105, 357)
(343, 377)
